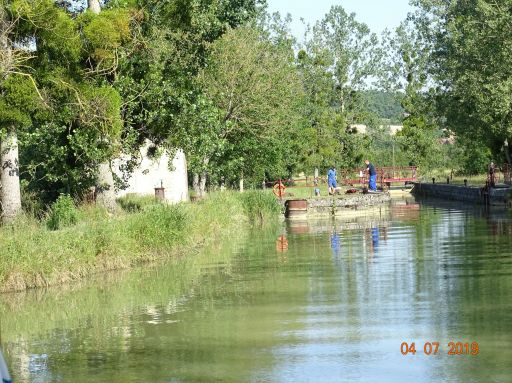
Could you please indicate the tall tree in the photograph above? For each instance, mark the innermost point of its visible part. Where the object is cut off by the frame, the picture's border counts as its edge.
(105, 192)
(20, 21)
(157, 79)
(407, 76)
(253, 92)
(62, 151)
(10, 192)
(471, 63)
(337, 61)
(354, 51)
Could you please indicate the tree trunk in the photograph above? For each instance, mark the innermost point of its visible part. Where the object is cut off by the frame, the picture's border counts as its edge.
(10, 196)
(94, 6)
(241, 183)
(506, 149)
(202, 183)
(195, 185)
(202, 177)
(105, 193)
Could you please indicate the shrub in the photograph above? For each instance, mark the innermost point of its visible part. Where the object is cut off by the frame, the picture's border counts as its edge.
(62, 213)
(32, 204)
(133, 203)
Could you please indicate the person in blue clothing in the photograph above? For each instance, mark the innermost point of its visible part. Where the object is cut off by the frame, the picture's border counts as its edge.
(331, 179)
(372, 181)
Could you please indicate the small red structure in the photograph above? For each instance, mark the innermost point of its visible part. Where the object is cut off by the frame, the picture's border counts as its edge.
(386, 175)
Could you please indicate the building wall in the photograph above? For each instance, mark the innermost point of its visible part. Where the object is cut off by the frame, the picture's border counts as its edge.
(152, 173)
(393, 129)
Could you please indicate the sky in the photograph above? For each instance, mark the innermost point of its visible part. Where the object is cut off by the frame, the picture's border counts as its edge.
(377, 14)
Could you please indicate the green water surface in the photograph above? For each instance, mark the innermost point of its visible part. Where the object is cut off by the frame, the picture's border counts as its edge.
(333, 302)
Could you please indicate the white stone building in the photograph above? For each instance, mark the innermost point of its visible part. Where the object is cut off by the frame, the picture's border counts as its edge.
(151, 173)
(393, 129)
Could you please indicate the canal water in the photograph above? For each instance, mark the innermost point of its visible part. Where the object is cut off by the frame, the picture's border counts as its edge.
(317, 301)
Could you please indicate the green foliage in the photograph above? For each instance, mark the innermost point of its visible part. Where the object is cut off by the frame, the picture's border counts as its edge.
(61, 152)
(55, 33)
(63, 213)
(100, 110)
(133, 203)
(243, 123)
(385, 105)
(18, 99)
(334, 69)
(31, 203)
(159, 226)
(470, 157)
(420, 144)
(470, 61)
(98, 242)
(169, 46)
(104, 35)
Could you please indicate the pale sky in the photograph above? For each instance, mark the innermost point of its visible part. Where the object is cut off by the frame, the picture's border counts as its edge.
(377, 14)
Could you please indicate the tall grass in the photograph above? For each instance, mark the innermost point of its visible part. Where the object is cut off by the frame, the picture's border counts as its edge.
(259, 206)
(33, 255)
(133, 203)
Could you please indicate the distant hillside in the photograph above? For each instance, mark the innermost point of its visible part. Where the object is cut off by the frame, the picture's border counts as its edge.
(385, 105)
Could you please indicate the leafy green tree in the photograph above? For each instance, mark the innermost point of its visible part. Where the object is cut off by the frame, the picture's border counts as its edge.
(471, 66)
(253, 88)
(169, 46)
(469, 157)
(157, 79)
(385, 105)
(23, 25)
(75, 130)
(407, 76)
(354, 52)
(336, 62)
(104, 34)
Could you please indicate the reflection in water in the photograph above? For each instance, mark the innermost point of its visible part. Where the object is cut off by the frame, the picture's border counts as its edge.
(375, 238)
(281, 244)
(405, 210)
(335, 244)
(323, 313)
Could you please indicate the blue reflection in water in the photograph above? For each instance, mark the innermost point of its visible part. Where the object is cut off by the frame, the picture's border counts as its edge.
(375, 238)
(335, 246)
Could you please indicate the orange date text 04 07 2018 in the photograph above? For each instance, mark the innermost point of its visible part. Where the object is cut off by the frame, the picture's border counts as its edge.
(432, 348)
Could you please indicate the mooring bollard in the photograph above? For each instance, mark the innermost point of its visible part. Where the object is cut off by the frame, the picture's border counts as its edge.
(466, 182)
(433, 180)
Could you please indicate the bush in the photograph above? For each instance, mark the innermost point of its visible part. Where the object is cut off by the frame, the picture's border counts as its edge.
(133, 203)
(31, 203)
(62, 213)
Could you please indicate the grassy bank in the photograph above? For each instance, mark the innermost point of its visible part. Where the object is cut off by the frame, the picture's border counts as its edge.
(34, 255)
